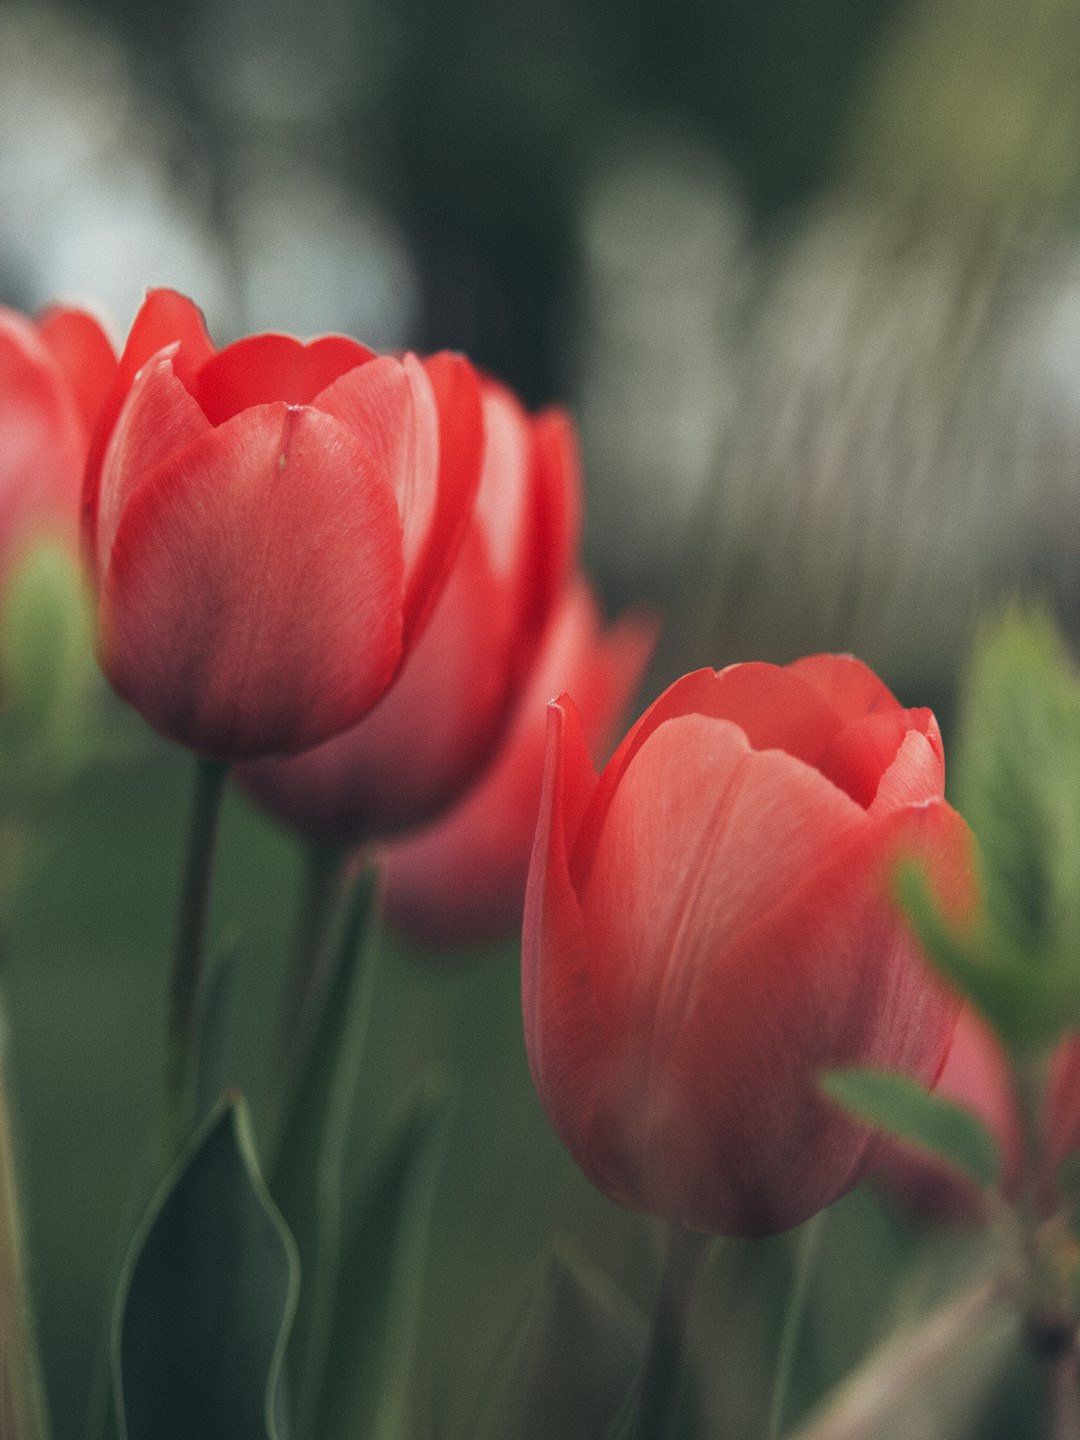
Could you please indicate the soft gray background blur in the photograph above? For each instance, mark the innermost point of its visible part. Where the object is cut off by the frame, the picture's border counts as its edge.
(808, 273)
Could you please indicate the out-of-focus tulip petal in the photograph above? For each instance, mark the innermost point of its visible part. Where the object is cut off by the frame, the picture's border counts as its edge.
(84, 355)
(48, 391)
(448, 710)
(463, 878)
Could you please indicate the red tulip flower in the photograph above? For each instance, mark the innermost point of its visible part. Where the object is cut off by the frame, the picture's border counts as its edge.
(447, 710)
(463, 878)
(708, 927)
(270, 526)
(977, 1077)
(54, 375)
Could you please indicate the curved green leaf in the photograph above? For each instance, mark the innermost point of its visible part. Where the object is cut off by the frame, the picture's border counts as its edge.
(207, 1298)
(903, 1108)
(572, 1360)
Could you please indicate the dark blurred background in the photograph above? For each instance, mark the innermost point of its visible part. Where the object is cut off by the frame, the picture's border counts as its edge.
(806, 270)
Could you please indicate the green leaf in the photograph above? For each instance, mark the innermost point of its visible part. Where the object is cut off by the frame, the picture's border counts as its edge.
(1017, 775)
(902, 1107)
(46, 657)
(206, 1298)
(1028, 1005)
(378, 1304)
(572, 1360)
(307, 1176)
(213, 1076)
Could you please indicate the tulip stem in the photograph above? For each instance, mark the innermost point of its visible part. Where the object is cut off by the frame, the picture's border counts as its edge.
(684, 1258)
(22, 1400)
(1065, 1395)
(323, 882)
(186, 982)
(808, 1245)
(871, 1396)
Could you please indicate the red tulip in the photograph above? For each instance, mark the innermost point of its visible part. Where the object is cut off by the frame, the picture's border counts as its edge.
(54, 373)
(270, 526)
(439, 723)
(463, 878)
(708, 927)
(977, 1076)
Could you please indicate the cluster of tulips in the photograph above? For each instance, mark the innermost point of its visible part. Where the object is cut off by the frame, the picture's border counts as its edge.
(352, 583)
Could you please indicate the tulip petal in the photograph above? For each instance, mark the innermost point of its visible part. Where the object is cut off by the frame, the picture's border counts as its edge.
(917, 771)
(165, 318)
(849, 686)
(463, 878)
(774, 708)
(85, 356)
(730, 1132)
(669, 889)
(558, 488)
(857, 758)
(390, 407)
(424, 740)
(504, 490)
(264, 614)
(263, 368)
(975, 1075)
(564, 1028)
(159, 419)
(835, 949)
(44, 441)
(1062, 1107)
(461, 444)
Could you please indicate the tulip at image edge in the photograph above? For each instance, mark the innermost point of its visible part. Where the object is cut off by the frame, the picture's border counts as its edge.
(269, 526)
(976, 1075)
(55, 372)
(709, 926)
(462, 879)
(448, 709)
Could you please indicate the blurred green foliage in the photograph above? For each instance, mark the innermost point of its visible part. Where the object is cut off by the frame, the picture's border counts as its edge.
(85, 985)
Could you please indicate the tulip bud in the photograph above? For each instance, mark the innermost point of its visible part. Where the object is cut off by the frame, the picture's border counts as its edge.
(270, 526)
(709, 926)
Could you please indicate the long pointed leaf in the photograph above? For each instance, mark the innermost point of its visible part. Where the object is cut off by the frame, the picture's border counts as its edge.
(901, 1107)
(372, 1340)
(206, 1298)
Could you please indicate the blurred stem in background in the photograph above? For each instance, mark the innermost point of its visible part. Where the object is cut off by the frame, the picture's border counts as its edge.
(190, 945)
(22, 1404)
(685, 1253)
(323, 885)
(808, 1244)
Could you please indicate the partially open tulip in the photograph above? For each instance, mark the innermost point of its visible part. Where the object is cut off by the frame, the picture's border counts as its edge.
(977, 1077)
(462, 879)
(270, 526)
(708, 926)
(54, 375)
(451, 703)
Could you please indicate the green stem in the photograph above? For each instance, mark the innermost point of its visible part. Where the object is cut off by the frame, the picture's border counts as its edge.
(319, 1233)
(22, 1400)
(870, 1397)
(185, 986)
(684, 1258)
(809, 1243)
(324, 874)
(1065, 1395)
